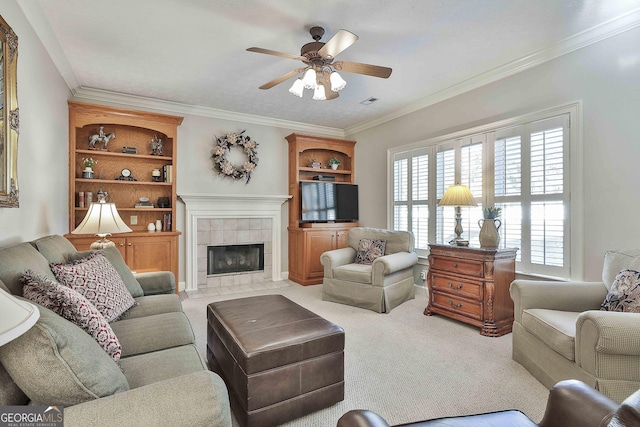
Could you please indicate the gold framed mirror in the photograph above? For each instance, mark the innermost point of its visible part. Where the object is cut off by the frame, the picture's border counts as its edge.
(9, 118)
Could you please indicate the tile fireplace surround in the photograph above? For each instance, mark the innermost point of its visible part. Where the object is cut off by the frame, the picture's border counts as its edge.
(216, 219)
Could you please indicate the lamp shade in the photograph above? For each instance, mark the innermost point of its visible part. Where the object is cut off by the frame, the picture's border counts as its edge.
(457, 195)
(102, 219)
(297, 88)
(337, 82)
(16, 317)
(309, 79)
(319, 94)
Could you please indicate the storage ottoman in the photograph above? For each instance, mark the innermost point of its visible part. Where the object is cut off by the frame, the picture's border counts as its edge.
(280, 361)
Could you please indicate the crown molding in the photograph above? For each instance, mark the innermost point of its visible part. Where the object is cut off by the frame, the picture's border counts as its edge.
(578, 41)
(121, 99)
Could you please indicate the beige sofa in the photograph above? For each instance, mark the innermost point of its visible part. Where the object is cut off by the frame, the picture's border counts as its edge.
(380, 286)
(160, 380)
(559, 331)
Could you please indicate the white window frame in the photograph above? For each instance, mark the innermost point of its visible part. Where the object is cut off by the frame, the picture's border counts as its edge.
(573, 178)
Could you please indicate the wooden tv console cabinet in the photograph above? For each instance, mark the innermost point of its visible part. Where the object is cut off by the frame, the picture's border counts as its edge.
(472, 285)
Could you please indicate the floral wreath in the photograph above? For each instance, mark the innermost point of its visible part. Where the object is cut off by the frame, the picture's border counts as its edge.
(221, 150)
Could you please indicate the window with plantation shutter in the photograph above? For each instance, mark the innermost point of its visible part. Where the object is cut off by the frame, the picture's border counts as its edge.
(522, 168)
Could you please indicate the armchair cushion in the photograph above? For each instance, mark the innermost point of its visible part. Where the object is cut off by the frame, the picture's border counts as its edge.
(624, 294)
(555, 328)
(359, 273)
(618, 260)
(57, 363)
(97, 280)
(369, 250)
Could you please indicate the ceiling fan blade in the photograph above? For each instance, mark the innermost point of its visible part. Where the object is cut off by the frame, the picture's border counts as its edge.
(336, 44)
(328, 93)
(275, 53)
(282, 78)
(359, 68)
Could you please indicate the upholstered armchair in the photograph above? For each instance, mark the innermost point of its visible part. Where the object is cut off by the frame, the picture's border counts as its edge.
(559, 331)
(381, 285)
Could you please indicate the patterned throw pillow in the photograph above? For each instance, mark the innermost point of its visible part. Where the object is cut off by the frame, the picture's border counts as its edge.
(98, 281)
(624, 294)
(74, 307)
(369, 250)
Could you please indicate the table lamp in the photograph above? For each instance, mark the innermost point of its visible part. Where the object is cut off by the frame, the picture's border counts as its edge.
(103, 220)
(16, 317)
(458, 195)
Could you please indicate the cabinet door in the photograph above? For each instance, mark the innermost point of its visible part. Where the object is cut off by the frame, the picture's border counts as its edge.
(342, 240)
(150, 253)
(318, 243)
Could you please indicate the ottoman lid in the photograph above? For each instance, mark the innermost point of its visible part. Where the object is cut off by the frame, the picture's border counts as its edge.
(268, 331)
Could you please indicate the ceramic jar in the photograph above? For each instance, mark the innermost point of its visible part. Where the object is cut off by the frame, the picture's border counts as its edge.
(489, 236)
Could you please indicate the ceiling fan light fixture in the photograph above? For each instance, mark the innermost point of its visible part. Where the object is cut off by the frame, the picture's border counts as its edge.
(297, 88)
(318, 94)
(309, 79)
(337, 82)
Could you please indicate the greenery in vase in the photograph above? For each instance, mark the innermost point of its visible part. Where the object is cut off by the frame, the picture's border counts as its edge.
(333, 161)
(491, 213)
(89, 162)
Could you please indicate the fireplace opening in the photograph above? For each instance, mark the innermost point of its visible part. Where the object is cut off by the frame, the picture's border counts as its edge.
(235, 258)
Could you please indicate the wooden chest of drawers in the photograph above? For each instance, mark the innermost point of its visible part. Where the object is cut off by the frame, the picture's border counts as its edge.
(472, 285)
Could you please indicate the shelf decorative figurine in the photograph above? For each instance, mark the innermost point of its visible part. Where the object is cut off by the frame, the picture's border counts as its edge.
(89, 163)
(156, 146)
(333, 163)
(489, 236)
(100, 137)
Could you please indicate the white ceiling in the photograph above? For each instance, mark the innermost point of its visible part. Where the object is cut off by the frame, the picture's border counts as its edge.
(192, 54)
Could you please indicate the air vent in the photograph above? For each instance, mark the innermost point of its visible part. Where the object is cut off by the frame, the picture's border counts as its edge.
(369, 101)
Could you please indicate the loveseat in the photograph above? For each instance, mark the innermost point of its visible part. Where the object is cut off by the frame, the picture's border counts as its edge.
(376, 283)
(160, 378)
(559, 331)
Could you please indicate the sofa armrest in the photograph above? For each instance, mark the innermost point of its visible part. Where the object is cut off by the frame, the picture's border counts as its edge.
(572, 403)
(601, 333)
(361, 418)
(564, 296)
(336, 258)
(196, 399)
(392, 263)
(157, 282)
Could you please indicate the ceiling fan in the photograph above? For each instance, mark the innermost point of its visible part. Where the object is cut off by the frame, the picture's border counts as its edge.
(320, 65)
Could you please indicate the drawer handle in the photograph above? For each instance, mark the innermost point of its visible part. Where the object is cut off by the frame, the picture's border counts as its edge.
(455, 287)
(455, 265)
(459, 305)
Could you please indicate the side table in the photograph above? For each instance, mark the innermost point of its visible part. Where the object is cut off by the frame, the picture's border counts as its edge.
(472, 285)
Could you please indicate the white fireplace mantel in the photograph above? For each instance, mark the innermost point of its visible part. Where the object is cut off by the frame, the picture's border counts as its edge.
(221, 206)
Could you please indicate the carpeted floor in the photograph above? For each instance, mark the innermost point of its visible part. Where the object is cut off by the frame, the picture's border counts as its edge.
(407, 366)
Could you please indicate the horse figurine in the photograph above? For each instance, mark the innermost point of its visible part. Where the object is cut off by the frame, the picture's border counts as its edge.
(100, 137)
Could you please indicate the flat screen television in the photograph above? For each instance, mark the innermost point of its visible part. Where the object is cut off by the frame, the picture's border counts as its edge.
(328, 201)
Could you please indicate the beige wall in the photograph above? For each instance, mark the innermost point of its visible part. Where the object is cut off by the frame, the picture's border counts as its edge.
(42, 145)
(604, 76)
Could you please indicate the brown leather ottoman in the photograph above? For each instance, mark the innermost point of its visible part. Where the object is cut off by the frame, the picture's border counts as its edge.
(280, 361)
